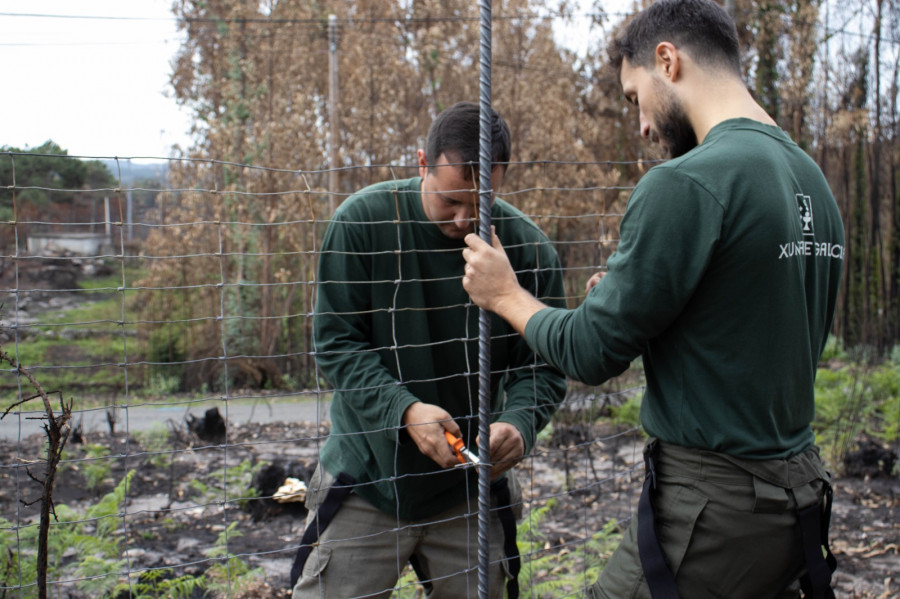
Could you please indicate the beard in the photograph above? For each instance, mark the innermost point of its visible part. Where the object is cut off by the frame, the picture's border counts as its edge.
(675, 132)
(679, 137)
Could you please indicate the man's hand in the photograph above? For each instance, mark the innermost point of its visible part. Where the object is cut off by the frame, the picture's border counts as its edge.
(507, 447)
(426, 424)
(492, 284)
(593, 281)
(488, 275)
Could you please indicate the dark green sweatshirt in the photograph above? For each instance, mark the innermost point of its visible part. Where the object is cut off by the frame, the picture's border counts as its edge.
(725, 281)
(394, 325)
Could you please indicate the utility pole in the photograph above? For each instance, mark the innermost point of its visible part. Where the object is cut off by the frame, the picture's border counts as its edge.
(333, 200)
(128, 212)
(106, 219)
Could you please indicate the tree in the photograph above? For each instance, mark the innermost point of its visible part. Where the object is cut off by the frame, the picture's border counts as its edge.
(255, 77)
(241, 276)
(44, 184)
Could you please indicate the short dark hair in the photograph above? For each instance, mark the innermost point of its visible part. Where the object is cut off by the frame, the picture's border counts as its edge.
(456, 133)
(702, 27)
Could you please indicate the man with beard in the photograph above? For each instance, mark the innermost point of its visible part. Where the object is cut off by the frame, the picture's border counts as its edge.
(724, 282)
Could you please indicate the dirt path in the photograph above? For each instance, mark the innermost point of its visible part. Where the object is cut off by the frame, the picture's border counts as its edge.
(20, 425)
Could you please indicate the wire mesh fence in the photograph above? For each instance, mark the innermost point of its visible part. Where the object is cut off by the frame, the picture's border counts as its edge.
(169, 334)
(158, 332)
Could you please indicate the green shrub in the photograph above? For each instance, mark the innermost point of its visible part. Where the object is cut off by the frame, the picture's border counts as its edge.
(92, 535)
(855, 400)
(152, 584)
(629, 413)
(229, 573)
(97, 467)
(834, 350)
(155, 441)
(18, 556)
(551, 572)
(238, 485)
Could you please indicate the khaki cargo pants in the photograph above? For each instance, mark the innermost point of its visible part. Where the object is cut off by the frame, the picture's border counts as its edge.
(728, 527)
(363, 550)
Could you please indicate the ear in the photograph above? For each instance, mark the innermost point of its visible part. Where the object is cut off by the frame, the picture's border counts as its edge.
(668, 62)
(423, 164)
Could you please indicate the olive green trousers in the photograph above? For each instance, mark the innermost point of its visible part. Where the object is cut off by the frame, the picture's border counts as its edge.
(727, 526)
(363, 551)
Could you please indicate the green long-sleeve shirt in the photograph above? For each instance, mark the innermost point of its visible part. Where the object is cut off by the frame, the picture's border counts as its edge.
(394, 325)
(725, 281)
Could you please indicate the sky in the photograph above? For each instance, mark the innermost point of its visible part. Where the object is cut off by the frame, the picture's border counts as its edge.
(93, 76)
(96, 86)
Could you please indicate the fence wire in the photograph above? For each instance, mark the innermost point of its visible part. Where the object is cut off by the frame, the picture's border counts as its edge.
(183, 342)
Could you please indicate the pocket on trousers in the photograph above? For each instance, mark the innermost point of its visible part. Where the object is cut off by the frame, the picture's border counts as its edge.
(316, 562)
(677, 512)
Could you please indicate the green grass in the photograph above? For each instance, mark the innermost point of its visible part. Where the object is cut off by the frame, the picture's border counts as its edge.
(98, 307)
(69, 364)
(113, 281)
(80, 348)
(102, 300)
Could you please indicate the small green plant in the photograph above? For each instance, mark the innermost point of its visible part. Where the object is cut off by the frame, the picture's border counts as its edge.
(545, 435)
(162, 384)
(153, 584)
(238, 483)
(156, 442)
(549, 572)
(19, 568)
(229, 573)
(834, 350)
(170, 524)
(97, 565)
(100, 575)
(202, 489)
(97, 467)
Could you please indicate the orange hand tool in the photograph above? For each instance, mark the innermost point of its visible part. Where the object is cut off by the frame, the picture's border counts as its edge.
(462, 454)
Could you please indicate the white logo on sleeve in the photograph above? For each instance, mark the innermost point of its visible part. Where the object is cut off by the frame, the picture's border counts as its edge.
(806, 215)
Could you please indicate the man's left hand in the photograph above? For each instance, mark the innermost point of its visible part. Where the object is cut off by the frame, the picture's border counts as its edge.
(507, 447)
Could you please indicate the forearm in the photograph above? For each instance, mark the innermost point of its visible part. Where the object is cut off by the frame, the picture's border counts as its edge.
(492, 284)
(516, 307)
(367, 390)
(531, 398)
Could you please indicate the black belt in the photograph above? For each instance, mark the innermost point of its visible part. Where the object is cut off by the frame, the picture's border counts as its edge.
(325, 512)
(653, 561)
(814, 521)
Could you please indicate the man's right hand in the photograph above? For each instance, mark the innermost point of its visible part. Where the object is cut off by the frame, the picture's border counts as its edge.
(490, 281)
(426, 424)
(594, 280)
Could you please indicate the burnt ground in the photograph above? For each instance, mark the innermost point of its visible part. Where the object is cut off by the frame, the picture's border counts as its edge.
(176, 508)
